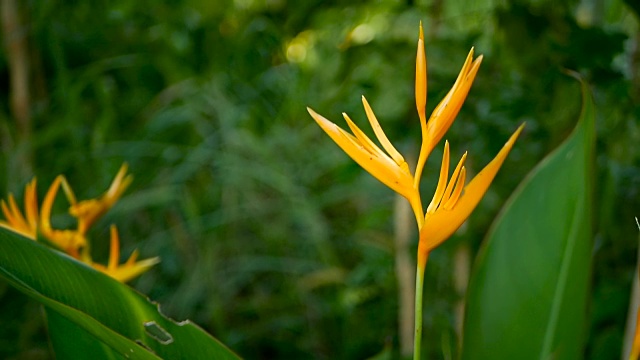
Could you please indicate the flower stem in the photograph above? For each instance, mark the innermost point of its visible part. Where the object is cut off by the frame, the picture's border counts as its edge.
(417, 340)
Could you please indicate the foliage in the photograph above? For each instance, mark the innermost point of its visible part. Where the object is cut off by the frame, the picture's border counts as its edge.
(102, 314)
(537, 256)
(270, 238)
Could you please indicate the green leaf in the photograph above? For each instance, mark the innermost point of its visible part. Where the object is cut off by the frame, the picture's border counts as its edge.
(528, 292)
(62, 329)
(123, 322)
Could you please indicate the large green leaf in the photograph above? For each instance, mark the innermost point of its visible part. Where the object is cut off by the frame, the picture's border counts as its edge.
(86, 304)
(528, 292)
(62, 330)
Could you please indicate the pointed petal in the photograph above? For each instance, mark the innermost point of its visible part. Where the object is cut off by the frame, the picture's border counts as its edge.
(25, 224)
(454, 178)
(378, 164)
(446, 112)
(88, 211)
(459, 80)
(31, 205)
(136, 270)
(7, 213)
(129, 272)
(457, 190)
(363, 139)
(120, 183)
(47, 204)
(68, 191)
(421, 76)
(18, 219)
(8, 226)
(443, 223)
(382, 137)
(132, 259)
(421, 102)
(442, 181)
(114, 249)
(70, 241)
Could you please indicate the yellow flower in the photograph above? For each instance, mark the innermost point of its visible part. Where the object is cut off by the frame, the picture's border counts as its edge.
(445, 113)
(452, 205)
(26, 226)
(452, 202)
(390, 167)
(88, 211)
(130, 269)
(74, 241)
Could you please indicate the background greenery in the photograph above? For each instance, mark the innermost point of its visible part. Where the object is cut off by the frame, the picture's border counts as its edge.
(271, 238)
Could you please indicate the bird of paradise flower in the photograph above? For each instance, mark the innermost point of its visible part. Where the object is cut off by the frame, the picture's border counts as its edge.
(36, 225)
(453, 201)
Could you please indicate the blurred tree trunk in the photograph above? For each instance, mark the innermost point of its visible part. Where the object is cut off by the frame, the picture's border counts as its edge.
(15, 42)
(405, 269)
(461, 273)
(635, 63)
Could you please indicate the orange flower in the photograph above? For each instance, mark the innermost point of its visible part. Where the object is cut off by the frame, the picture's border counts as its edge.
(451, 206)
(74, 241)
(452, 202)
(26, 226)
(88, 211)
(130, 269)
(389, 167)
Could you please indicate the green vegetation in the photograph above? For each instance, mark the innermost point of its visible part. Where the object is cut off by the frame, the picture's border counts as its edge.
(271, 238)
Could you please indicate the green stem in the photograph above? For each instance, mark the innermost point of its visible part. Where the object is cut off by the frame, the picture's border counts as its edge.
(417, 340)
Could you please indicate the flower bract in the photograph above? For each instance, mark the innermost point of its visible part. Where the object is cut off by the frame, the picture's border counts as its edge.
(453, 201)
(35, 224)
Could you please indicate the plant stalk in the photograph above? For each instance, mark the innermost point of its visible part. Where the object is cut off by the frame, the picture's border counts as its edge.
(417, 340)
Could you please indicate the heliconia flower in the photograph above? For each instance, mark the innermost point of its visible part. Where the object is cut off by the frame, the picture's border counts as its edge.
(445, 113)
(389, 167)
(27, 224)
(88, 211)
(128, 270)
(72, 242)
(453, 203)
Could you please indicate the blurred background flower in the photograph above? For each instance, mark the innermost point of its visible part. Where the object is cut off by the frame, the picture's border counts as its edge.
(270, 238)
